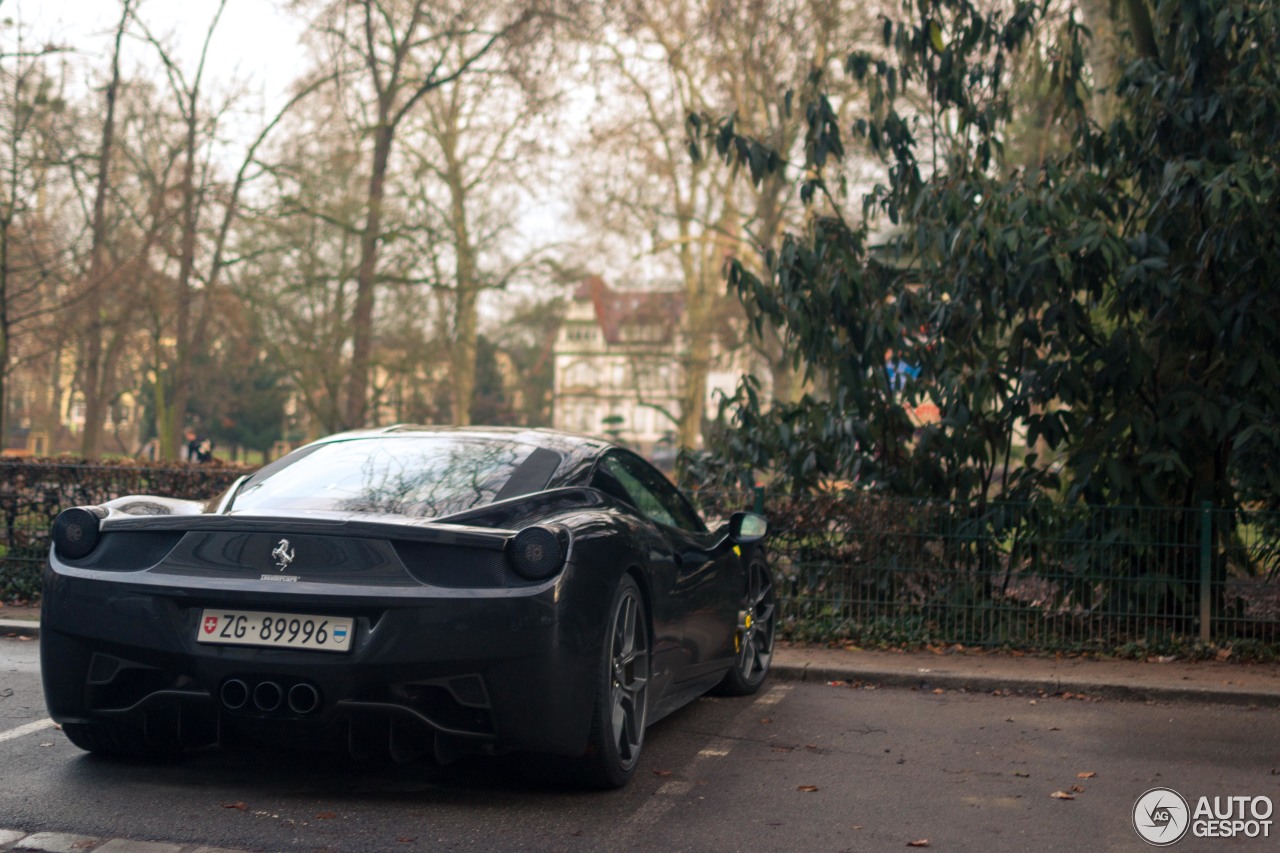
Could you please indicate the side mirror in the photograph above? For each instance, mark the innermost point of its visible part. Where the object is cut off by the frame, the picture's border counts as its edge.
(746, 528)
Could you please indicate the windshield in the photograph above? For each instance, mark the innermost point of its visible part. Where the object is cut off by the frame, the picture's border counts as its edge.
(424, 476)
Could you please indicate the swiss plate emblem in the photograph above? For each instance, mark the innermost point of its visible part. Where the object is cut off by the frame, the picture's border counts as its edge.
(210, 624)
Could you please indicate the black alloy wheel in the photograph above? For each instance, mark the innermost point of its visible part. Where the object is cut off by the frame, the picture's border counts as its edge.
(753, 642)
(621, 705)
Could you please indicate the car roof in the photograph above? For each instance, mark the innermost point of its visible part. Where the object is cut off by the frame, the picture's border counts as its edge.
(579, 452)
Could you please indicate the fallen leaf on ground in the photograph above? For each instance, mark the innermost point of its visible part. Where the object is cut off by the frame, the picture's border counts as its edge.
(1021, 775)
(1062, 795)
(1088, 774)
(662, 773)
(766, 720)
(1078, 789)
(240, 806)
(923, 842)
(808, 789)
(325, 816)
(938, 690)
(407, 840)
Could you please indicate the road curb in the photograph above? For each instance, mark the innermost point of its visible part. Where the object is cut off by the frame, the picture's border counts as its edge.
(821, 673)
(20, 627)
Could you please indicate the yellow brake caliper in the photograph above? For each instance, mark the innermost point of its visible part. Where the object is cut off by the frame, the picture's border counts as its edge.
(744, 628)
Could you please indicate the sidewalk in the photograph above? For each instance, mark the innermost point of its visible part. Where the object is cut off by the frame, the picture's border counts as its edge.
(986, 672)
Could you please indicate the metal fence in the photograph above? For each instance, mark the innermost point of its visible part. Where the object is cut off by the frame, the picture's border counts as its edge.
(870, 569)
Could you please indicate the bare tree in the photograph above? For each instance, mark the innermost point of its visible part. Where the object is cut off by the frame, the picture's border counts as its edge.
(297, 258)
(96, 366)
(477, 143)
(403, 49)
(772, 54)
(672, 59)
(199, 272)
(659, 60)
(28, 107)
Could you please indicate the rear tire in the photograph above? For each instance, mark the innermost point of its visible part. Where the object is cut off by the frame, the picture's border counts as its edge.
(114, 740)
(757, 619)
(621, 707)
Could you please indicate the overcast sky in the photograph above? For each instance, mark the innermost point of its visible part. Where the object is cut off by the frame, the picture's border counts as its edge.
(256, 49)
(255, 44)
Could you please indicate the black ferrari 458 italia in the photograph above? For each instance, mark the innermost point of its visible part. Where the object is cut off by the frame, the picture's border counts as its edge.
(411, 592)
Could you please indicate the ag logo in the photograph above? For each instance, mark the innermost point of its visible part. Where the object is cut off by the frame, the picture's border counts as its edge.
(1161, 816)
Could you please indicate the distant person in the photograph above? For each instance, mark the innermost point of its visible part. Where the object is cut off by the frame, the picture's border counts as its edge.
(899, 371)
(198, 449)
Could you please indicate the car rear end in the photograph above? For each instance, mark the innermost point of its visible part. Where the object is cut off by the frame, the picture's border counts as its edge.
(398, 639)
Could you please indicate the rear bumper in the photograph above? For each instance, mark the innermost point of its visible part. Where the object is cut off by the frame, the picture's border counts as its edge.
(492, 670)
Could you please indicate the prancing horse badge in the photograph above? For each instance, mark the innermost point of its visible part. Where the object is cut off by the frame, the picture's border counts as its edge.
(283, 554)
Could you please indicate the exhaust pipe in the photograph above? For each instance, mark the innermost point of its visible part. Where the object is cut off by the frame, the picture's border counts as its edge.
(303, 698)
(234, 693)
(267, 696)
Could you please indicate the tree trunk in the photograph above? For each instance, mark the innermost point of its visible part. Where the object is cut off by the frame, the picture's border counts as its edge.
(95, 376)
(697, 355)
(693, 384)
(462, 355)
(4, 333)
(177, 412)
(770, 216)
(362, 319)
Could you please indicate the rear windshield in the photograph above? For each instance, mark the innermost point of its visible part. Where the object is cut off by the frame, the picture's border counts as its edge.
(422, 476)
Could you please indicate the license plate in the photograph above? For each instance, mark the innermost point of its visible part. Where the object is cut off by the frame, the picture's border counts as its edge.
(287, 630)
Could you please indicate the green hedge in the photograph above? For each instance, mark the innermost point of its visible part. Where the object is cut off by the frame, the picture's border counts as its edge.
(34, 491)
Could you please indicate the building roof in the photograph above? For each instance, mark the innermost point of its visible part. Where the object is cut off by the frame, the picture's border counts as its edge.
(616, 309)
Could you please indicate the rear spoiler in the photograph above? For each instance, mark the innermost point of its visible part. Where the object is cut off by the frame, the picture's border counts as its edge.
(372, 527)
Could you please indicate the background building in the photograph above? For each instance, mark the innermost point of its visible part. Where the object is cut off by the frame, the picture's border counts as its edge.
(617, 366)
(618, 363)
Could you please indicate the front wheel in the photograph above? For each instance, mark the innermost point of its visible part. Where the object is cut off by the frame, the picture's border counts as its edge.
(622, 694)
(753, 641)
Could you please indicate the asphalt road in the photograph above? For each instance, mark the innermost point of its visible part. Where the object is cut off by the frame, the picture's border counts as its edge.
(800, 767)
